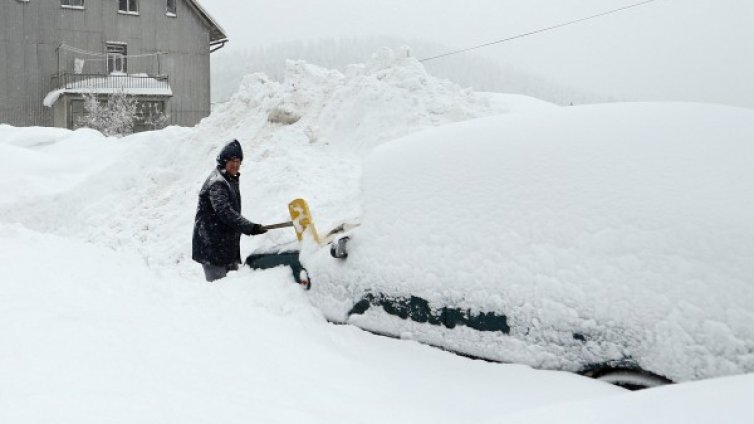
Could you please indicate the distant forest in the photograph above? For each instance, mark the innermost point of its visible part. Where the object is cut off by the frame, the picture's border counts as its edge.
(466, 69)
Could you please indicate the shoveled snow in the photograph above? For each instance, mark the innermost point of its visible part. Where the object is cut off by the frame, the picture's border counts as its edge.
(390, 96)
(104, 317)
(61, 160)
(628, 224)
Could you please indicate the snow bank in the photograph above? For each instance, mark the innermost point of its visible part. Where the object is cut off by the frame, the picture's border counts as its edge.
(48, 161)
(627, 224)
(390, 96)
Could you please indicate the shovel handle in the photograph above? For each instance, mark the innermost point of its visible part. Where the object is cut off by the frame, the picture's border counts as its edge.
(280, 225)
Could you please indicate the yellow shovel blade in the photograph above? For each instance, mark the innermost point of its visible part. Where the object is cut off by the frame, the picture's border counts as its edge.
(302, 219)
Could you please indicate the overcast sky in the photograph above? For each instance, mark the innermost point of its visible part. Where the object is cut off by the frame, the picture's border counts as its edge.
(690, 50)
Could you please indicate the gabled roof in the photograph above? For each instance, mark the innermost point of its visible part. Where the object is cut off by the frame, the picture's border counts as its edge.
(216, 32)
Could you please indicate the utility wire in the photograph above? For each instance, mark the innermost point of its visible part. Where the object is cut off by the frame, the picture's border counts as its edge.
(538, 31)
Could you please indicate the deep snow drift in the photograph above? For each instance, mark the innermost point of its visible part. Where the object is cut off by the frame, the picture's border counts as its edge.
(104, 317)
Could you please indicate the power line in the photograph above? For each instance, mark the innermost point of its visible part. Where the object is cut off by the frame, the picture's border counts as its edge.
(539, 30)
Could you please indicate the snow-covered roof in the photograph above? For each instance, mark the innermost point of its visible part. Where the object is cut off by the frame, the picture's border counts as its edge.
(135, 85)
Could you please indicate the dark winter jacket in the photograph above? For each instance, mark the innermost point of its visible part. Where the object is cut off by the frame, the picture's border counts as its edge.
(218, 224)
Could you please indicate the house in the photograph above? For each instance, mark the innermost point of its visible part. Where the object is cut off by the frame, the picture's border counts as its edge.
(52, 52)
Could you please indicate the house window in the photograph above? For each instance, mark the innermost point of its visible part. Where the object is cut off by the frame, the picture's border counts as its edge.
(128, 6)
(150, 115)
(170, 8)
(77, 4)
(116, 58)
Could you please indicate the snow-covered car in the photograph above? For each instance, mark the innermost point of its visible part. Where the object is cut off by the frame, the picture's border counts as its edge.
(615, 241)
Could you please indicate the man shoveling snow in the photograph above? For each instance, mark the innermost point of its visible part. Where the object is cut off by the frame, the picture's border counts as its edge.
(219, 224)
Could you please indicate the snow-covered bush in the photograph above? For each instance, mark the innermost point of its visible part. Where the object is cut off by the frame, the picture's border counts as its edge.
(115, 117)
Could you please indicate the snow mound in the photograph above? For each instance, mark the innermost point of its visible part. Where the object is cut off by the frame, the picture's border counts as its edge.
(627, 224)
(48, 161)
(390, 96)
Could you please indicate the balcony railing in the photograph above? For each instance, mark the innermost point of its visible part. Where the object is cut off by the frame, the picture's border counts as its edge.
(111, 82)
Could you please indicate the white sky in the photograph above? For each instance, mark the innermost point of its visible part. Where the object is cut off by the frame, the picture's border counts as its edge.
(697, 50)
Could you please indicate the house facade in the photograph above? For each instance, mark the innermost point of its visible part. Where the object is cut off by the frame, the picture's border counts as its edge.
(54, 52)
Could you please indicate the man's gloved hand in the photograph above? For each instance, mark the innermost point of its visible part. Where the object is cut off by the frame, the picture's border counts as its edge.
(257, 229)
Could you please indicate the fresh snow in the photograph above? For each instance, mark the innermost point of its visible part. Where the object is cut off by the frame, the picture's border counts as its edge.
(104, 317)
(95, 335)
(629, 224)
(724, 400)
(369, 104)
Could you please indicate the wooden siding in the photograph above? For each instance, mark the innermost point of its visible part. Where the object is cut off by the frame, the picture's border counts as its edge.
(30, 33)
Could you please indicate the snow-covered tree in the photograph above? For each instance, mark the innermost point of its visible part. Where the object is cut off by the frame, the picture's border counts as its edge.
(114, 117)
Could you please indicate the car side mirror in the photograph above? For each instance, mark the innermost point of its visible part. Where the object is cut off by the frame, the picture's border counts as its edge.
(338, 248)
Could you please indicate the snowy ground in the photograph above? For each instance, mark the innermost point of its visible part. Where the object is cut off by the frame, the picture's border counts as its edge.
(95, 333)
(104, 318)
(725, 400)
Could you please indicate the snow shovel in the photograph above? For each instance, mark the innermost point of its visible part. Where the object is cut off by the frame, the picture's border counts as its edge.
(280, 225)
(301, 219)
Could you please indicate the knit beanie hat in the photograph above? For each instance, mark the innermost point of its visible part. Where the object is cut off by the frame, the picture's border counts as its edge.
(231, 150)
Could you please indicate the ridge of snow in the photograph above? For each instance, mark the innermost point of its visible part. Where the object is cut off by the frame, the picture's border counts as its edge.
(390, 96)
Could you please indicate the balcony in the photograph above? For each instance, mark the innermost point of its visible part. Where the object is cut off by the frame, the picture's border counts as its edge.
(140, 85)
(135, 84)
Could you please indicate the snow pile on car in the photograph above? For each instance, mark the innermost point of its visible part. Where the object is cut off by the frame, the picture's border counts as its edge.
(606, 232)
